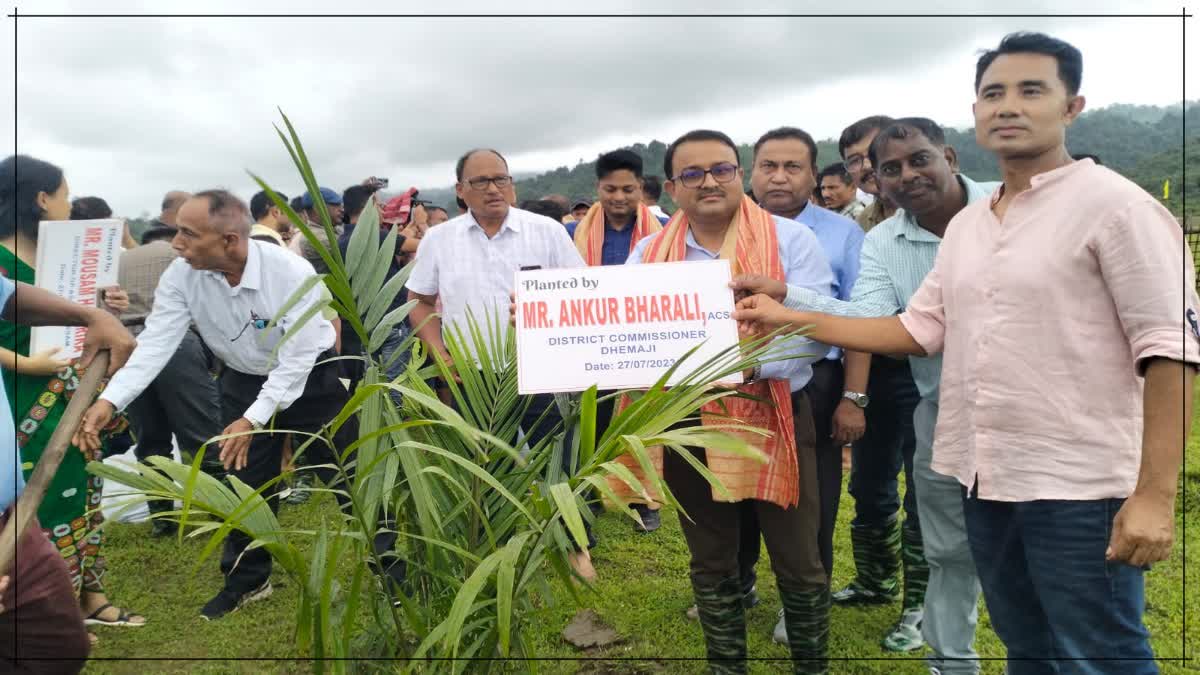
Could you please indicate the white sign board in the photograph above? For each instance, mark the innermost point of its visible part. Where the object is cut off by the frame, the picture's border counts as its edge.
(75, 259)
(620, 326)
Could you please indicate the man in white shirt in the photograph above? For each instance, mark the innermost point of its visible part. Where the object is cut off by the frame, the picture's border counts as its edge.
(651, 193)
(231, 289)
(469, 264)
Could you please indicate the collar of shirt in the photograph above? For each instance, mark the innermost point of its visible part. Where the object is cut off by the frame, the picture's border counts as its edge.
(912, 231)
(251, 276)
(511, 222)
(1049, 178)
(690, 241)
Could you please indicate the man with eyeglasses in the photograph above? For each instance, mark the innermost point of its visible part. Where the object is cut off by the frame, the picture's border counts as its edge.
(716, 220)
(232, 289)
(853, 145)
(884, 389)
(469, 264)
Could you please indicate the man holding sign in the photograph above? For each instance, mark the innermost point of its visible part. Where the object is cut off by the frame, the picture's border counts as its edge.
(717, 221)
(469, 264)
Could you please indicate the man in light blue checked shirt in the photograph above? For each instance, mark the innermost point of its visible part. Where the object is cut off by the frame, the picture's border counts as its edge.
(918, 171)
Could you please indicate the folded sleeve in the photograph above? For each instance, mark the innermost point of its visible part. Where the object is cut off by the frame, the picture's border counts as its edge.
(1149, 271)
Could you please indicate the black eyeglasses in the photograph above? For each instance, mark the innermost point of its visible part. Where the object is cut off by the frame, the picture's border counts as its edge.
(854, 163)
(480, 183)
(722, 173)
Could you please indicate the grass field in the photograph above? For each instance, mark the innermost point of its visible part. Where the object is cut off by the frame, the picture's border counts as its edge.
(642, 593)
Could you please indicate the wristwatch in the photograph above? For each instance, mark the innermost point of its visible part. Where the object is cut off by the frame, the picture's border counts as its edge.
(860, 400)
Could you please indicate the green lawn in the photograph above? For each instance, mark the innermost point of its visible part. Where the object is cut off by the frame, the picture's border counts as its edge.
(642, 592)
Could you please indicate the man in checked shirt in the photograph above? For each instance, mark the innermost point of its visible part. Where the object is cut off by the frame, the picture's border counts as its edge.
(183, 400)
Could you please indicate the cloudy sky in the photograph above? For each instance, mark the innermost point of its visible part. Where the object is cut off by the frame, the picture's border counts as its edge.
(133, 107)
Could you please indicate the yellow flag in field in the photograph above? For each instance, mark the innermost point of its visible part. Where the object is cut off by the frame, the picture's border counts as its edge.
(1167, 189)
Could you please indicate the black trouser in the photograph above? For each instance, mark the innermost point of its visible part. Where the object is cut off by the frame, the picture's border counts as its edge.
(183, 400)
(790, 534)
(824, 392)
(323, 398)
(535, 432)
(886, 447)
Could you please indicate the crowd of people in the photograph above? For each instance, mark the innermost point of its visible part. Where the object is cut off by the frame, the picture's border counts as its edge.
(1016, 350)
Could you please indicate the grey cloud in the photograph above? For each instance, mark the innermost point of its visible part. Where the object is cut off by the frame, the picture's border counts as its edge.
(180, 102)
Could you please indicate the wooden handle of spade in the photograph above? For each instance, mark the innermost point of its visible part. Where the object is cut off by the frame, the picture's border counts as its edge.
(26, 507)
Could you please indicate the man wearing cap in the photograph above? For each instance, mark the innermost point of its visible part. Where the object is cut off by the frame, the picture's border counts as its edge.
(579, 209)
(333, 204)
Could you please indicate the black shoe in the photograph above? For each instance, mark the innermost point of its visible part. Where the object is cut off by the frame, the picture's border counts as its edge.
(650, 519)
(227, 602)
(163, 528)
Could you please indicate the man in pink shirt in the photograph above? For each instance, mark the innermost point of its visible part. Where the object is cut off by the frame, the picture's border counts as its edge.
(1064, 307)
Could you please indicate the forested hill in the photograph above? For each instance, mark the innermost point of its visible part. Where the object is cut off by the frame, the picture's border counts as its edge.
(1141, 142)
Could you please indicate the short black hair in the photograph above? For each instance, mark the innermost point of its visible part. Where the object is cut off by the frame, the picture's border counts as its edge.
(355, 198)
(462, 161)
(260, 204)
(694, 136)
(430, 208)
(857, 131)
(1070, 60)
(837, 170)
(545, 207)
(617, 160)
(1084, 155)
(21, 179)
(906, 127)
(90, 208)
(163, 233)
(462, 206)
(789, 132)
(652, 187)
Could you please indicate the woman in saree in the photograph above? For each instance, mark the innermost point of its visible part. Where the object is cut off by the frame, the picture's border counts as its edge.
(40, 385)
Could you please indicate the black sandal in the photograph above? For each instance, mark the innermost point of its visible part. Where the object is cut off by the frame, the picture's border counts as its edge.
(123, 618)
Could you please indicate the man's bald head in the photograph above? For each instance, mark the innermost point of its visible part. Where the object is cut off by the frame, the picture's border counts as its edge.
(226, 213)
(462, 161)
(213, 232)
(170, 205)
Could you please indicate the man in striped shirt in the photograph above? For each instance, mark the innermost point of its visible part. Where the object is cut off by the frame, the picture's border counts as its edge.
(918, 171)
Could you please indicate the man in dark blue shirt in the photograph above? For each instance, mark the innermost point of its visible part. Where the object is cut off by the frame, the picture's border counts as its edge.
(606, 235)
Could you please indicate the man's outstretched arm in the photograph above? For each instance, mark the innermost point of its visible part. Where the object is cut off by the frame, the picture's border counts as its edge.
(885, 335)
